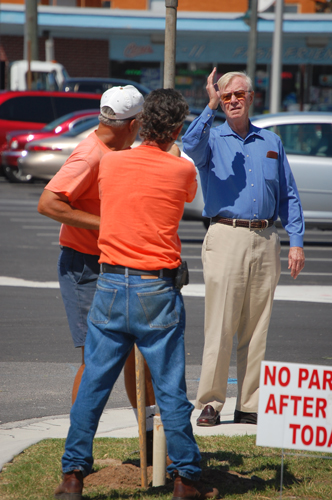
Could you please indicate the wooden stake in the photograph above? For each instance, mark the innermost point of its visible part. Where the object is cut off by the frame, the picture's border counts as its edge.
(141, 414)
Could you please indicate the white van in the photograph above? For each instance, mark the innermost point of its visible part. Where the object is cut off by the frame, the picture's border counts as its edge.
(45, 75)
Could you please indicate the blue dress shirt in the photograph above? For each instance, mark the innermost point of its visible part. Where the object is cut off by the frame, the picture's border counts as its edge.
(244, 178)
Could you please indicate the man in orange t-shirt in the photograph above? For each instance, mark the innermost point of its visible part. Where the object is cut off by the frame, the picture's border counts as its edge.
(138, 298)
(72, 198)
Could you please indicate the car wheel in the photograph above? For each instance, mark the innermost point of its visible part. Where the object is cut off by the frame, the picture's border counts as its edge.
(15, 175)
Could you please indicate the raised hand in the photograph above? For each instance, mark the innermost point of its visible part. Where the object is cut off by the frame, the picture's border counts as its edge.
(213, 94)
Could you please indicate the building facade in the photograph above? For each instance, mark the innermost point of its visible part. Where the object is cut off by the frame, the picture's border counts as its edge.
(130, 44)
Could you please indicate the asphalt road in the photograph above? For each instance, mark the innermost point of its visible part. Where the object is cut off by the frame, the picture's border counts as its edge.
(37, 359)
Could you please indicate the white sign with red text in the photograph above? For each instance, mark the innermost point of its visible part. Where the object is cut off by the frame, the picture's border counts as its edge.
(295, 406)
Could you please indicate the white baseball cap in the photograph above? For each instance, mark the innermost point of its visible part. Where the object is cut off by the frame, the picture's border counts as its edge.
(126, 101)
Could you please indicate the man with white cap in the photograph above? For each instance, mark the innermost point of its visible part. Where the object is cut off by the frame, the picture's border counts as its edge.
(72, 198)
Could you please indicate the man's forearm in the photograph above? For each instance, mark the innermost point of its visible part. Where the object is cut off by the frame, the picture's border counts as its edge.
(52, 206)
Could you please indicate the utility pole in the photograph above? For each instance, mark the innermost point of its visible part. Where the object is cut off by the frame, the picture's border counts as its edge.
(31, 30)
(170, 43)
(276, 63)
(252, 45)
(159, 439)
(251, 20)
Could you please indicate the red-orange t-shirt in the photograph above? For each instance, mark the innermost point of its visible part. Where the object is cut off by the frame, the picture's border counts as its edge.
(143, 191)
(78, 180)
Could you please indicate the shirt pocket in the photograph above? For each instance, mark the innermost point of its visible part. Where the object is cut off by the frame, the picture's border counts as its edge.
(271, 169)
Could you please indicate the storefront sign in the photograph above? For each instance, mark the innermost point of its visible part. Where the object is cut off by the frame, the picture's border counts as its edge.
(295, 407)
(291, 54)
(132, 50)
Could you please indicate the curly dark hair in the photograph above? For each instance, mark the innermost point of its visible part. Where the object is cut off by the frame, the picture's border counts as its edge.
(164, 110)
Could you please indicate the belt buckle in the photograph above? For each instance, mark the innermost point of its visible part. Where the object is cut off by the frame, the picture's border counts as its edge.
(267, 223)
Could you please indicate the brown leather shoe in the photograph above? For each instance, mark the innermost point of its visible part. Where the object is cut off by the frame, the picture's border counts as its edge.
(186, 489)
(208, 417)
(71, 487)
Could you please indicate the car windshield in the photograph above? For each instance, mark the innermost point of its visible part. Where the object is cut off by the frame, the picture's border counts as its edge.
(92, 122)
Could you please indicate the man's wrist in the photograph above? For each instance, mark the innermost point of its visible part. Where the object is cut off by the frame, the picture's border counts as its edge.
(213, 106)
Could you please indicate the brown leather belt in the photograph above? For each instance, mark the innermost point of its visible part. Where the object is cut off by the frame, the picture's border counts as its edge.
(250, 224)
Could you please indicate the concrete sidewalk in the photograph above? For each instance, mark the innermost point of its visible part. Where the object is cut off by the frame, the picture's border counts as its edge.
(118, 423)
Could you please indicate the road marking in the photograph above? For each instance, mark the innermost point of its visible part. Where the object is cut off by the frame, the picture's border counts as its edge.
(304, 293)
(308, 259)
(303, 273)
(290, 293)
(39, 227)
(53, 235)
(18, 282)
(286, 273)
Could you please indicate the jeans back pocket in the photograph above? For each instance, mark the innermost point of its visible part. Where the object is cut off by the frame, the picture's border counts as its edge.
(160, 307)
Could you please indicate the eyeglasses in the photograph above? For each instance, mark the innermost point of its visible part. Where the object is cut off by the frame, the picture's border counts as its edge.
(239, 95)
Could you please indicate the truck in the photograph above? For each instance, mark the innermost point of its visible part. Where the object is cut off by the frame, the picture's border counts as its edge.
(45, 75)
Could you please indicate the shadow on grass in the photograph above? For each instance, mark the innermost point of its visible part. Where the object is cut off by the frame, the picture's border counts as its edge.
(220, 475)
(216, 472)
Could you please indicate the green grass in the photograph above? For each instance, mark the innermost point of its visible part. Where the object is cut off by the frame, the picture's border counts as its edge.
(235, 465)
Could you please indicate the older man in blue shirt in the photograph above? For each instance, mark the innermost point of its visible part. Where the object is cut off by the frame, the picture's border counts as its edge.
(247, 183)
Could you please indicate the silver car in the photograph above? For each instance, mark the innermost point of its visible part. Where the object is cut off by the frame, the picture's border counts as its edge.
(307, 139)
(43, 158)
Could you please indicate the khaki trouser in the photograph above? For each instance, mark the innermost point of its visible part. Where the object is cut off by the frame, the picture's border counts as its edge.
(241, 272)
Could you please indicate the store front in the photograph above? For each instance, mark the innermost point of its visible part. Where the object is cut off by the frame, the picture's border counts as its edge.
(306, 72)
(135, 43)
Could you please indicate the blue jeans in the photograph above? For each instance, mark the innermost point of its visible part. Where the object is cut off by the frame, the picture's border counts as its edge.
(78, 273)
(150, 313)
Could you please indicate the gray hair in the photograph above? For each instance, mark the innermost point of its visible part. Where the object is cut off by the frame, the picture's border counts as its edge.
(105, 118)
(227, 77)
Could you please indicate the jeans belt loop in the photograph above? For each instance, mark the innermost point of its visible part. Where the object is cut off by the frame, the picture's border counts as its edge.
(250, 225)
(234, 223)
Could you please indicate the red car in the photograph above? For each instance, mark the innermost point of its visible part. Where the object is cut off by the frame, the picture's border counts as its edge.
(33, 109)
(16, 140)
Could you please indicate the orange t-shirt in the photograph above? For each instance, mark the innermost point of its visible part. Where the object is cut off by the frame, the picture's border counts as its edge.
(142, 194)
(78, 180)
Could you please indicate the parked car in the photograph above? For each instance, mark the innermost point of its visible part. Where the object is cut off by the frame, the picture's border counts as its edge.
(307, 139)
(43, 158)
(99, 85)
(16, 141)
(34, 109)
